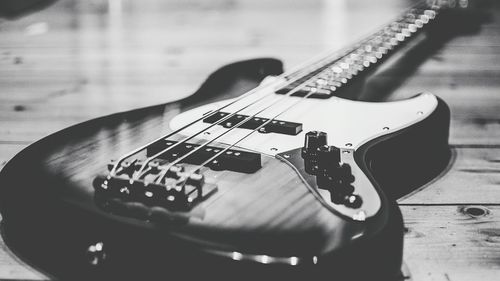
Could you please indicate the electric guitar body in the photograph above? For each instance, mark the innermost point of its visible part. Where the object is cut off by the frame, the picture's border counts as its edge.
(244, 179)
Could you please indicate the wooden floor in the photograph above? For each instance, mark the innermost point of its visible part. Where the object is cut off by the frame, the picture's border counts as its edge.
(76, 60)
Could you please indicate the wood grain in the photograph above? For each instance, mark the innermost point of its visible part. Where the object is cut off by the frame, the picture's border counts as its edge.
(472, 177)
(448, 243)
(93, 60)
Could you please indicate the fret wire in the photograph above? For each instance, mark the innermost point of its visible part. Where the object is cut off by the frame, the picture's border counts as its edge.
(369, 51)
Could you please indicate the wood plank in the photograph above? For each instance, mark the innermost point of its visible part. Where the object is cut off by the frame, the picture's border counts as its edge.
(152, 67)
(89, 64)
(446, 243)
(474, 117)
(472, 177)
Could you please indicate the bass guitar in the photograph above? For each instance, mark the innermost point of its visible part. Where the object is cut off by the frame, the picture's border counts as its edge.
(258, 174)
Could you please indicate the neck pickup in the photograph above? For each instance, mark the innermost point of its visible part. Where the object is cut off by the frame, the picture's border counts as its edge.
(275, 126)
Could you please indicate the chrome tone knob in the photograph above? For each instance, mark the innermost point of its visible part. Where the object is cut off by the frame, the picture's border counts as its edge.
(313, 141)
(96, 254)
(328, 158)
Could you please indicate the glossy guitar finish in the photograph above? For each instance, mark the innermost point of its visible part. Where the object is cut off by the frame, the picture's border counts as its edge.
(269, 224)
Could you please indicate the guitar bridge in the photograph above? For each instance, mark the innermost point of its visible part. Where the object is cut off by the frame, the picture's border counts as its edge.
(142, 196)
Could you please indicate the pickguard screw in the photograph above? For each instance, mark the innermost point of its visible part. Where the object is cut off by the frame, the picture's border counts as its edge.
(274, 149)
(348, 144)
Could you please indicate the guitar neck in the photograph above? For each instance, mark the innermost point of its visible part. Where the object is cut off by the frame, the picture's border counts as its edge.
(323, 78)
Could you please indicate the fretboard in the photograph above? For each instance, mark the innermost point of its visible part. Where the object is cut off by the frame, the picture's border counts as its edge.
(326, 76)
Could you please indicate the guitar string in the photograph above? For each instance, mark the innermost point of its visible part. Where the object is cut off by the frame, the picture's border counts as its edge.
(297, 70)
(326, 58)
(309, 63)
(227, 117)
(176, 161)
(203, 165)
(166, 169)
(213, 113)
(151, 158)
(321, 62)
(337, 55)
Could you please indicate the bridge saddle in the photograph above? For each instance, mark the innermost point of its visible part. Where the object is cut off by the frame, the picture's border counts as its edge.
(159, 185)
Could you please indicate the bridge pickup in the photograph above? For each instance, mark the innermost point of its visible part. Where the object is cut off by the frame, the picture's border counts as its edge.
(275, 126)
(231, 160)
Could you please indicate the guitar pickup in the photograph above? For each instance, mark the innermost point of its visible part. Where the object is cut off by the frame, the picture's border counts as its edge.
(275, 126)
(231, 160)
(317, 93)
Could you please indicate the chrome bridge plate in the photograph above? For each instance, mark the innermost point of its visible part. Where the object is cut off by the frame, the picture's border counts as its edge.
(157, 203)
(170, 196)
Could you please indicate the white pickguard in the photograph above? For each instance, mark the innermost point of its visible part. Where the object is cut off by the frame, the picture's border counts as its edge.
(349, 124)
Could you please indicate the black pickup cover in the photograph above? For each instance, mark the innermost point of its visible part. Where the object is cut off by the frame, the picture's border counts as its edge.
(275, 126)
(232, 159)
